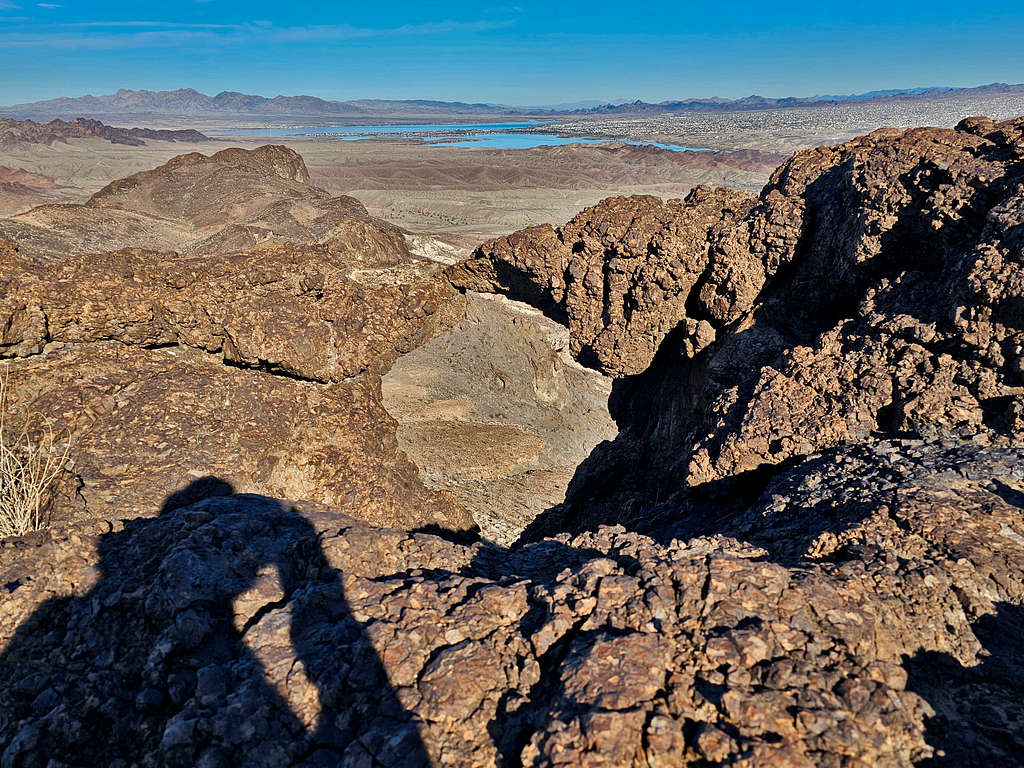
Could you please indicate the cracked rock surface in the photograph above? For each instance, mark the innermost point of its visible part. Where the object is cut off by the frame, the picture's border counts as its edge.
(249, 632)
(816, 499)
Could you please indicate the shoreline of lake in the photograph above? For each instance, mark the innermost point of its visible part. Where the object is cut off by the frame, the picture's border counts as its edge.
(478, 135)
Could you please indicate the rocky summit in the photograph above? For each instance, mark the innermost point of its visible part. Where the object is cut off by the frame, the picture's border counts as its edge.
(801, 544)
(231, 200)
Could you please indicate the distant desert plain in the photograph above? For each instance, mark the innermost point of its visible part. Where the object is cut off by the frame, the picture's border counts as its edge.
(458, 196)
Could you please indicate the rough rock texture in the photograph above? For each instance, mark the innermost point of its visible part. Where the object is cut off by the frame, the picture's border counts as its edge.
(874, 287)
(304, 311)
(620, 273)
(826, 497)
(260, 367)
(232, 200)
(241, 631)
(145, 423)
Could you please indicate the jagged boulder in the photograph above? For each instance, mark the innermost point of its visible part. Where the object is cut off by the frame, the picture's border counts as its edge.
(619, 274)
(261, 367)
(899, 311)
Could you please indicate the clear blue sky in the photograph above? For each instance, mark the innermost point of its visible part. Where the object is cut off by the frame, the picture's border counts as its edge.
(526, 52)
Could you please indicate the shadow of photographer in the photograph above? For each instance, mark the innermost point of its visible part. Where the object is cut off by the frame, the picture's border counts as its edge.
(168, 659)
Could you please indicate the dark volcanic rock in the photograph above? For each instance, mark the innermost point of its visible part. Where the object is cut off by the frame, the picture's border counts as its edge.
(820, 406)
(620, 273)
(144, 423)
(332, 638)
(874, 287)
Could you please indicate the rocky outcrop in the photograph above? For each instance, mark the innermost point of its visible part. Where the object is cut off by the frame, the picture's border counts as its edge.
(900, 309)
(234, 199)
(819, 465)
(620, 274)
(145, 423)
(319, 641)
(870, 288)
(261, 366)
(300, 311)
(14, 132)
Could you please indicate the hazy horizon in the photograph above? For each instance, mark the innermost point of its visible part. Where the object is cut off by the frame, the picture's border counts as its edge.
(583, 99)
(527, 53)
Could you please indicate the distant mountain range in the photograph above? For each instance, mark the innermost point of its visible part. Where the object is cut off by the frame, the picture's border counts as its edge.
(14, 132)
(187, 102)
(754, 103)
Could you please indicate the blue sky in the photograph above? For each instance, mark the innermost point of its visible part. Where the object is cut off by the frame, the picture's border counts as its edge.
(526, 52)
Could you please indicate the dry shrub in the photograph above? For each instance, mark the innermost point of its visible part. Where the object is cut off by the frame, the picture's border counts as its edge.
(30, 461)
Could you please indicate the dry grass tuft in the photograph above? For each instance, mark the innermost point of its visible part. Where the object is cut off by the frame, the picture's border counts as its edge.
(30, 461)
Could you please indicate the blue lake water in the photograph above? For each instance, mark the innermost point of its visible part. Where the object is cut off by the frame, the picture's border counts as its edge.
(497, 136)
(514, 140)
(362, 131)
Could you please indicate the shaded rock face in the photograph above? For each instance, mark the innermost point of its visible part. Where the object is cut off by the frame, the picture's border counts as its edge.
(824, 494)
(232, 200)
(873, 287)
(249, 632)
(899, 311)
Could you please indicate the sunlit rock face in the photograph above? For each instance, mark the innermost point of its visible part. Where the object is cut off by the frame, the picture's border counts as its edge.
(816, 549)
